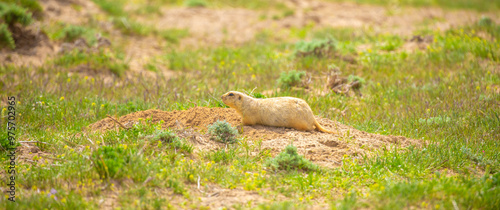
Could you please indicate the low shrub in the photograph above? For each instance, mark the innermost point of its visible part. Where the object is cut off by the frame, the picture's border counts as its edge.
(222, 131)
(290, 160)
(291, 79)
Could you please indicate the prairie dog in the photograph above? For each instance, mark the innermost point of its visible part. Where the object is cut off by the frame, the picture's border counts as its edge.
(280, 112)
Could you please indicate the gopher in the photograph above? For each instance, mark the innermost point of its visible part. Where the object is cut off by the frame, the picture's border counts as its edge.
(280, 112)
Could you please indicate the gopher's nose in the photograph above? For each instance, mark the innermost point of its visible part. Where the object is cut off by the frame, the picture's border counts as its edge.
(221, 97)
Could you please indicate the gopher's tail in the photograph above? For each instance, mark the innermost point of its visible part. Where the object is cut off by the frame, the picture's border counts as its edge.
(320, 128)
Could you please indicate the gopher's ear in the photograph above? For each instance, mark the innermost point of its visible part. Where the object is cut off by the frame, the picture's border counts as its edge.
(239, 97)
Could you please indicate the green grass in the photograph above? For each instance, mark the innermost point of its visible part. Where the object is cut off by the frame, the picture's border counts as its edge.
(112, 7)
(195, 3)
(445, 95)
(173, 35)
(94, 61)
(69, 33)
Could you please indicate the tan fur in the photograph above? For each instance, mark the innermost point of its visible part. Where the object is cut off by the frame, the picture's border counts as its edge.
(280, 112)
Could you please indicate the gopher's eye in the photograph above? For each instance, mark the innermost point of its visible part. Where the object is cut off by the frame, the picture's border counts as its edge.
(231, 94)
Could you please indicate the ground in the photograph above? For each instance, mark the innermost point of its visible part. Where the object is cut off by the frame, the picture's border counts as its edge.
(411, 87)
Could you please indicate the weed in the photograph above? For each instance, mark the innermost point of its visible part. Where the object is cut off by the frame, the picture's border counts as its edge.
(257, 95)
(112, 7)
(290, 160)
(221, 155)
(6, 38)
(149, 9)
(318, 48)
(391, 44)
(174, 35)
(176, 186)
(355, 78)
(109, 161)
(11, 14)
(222, 131)
(435, 120)
(31, 5)
(291, 79)
(195, 3)
(169, 138)
(130, 27)
(72, 32)
(5, 144)
(485, 21)
(95, 60)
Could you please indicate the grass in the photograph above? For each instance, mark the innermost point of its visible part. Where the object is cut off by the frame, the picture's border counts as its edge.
(70, 33)
(94, 61)
(195, 3)
(173, 35)
(446, 95)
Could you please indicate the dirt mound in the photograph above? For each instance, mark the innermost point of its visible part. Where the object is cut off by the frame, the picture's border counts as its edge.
(322, 148)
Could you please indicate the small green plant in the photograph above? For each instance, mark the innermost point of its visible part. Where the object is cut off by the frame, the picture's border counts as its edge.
(318, 48)
(72, 32)
(221, 155)
(173, 141)
(11, 14)
(288, 12)
(258, 95)
(174, 35)
(31, 5)
(391, 44)
(112, 7)
(95, 60)
(130, 27)
(291, 79)
(485, 21)
(6, 39)
(108, 161)
(149, 9)
(434, 120)
(195, 3)
(222, 131)
(354, 78)
(290, 160)
(176, 186)
(5, 143)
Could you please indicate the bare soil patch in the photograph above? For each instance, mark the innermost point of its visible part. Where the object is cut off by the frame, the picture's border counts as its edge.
(218, 198)
(69, 11)
(322, 148)
(32, 47)
(235, 26)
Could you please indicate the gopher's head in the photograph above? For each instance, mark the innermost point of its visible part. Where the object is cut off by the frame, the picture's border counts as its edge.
(233, 99)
